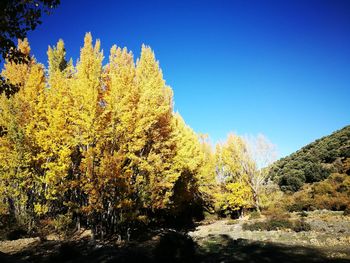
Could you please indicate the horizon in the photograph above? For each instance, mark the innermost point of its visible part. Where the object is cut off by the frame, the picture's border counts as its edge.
(280, 69)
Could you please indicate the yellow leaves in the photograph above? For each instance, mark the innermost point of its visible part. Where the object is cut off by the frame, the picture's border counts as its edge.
(234, 166)
(86, 90)
(100, 139)
(125, 203)
(234, 197)
(231, 157)
(23, 46)
(56, 58)
(40, 209)
(89, 67)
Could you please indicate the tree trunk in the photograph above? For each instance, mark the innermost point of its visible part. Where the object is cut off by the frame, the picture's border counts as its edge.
(78, 222)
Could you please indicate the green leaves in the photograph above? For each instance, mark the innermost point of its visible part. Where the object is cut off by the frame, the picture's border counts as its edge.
(314, 162)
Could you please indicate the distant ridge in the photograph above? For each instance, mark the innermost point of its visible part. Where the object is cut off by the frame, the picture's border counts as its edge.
(314, 162)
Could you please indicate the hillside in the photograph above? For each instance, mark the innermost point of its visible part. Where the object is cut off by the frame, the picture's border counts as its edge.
(314, 162)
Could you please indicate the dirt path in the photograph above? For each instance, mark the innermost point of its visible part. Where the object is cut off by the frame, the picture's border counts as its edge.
(15, 246)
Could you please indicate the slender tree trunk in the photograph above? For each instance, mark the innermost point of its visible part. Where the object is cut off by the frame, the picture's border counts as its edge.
(78, 222)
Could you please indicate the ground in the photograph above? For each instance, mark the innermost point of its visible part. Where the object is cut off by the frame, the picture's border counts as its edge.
(216, 241)
(226, 241)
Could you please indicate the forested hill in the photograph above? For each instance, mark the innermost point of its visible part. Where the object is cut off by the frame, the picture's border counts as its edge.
(314, 162)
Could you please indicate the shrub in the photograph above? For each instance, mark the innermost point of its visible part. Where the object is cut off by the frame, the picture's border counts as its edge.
(210, 217)
(276, 213)
(271, 224)
(174, 247)
(254, 215)
(63, 223)
(338, 178)
(256, 226)
(301, 225)
(347, 211)
(301, 201)
(276, 224)
(331, 194)
(323, 188)
(295, 207)
(292, 181)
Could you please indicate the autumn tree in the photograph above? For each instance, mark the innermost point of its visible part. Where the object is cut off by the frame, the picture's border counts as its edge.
(153, 145)
(22, 116)
(191, 172)
(99, 145)
(55, 137)
(233, 167)
(118, 121)
(86, 110)
(206, 177)
(263, 153)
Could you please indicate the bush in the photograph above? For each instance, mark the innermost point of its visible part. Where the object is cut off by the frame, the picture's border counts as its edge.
(254, 215)
(257, 226)
(292, 181)
(301, 225)
(323, 188)
(276, 213)
(330, 194)
(347, 211)
(301, 200)
(210, 217)
(276, 224)
(63, 223)
(272, 224)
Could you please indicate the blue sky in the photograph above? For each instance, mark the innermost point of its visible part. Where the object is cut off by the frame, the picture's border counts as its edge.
(281, 68)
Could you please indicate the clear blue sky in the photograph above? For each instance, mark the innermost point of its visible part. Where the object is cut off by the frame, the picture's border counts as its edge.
(281, 68)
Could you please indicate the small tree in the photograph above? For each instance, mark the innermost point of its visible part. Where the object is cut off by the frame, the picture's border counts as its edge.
(233, 166)
(261, 153)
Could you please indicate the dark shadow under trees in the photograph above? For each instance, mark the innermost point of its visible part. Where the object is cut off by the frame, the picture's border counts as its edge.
(170, 246)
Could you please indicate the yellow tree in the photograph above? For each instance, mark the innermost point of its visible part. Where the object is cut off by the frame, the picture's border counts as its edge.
(233, 163)
(86, 109)
(186, 165)
(118, 119)
(207, 181)
(56, 138)
(14, 161)
(22, 115)
(153, 144)
(17, 73)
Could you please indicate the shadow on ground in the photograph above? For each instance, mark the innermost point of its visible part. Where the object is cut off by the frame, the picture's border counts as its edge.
(169, 247)
(222, 248)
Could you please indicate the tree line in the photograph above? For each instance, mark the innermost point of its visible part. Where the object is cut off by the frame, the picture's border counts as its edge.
(102, 146)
